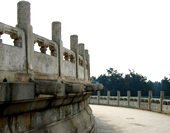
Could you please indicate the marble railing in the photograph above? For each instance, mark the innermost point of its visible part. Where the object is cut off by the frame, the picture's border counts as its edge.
(149, 103)
(20, 60)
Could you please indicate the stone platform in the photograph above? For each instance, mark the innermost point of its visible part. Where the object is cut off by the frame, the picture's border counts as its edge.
(111, 119)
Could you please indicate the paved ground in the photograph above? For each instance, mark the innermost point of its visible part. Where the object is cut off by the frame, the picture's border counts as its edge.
(111, 119)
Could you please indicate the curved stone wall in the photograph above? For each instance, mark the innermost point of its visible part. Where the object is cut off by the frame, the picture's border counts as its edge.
(76, 118)
(46, 106)
(42, 93)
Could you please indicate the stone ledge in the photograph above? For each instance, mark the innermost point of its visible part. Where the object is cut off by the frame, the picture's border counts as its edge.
(17, 107)
(16, 91)
(21, 91)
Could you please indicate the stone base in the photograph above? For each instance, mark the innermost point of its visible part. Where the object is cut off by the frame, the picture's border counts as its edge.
(54, 120)
(82, 122)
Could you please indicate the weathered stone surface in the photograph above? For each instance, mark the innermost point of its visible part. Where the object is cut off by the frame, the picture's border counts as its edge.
(47, 87)
(93, 87)
(49, 120)
(69, 69)
(23, 12)
(32, 97)
(75, 88)
(16, 91)
(80, 123)
(45, 64)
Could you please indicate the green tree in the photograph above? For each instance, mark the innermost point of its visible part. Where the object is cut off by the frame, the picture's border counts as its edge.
(157, 88)
(166, 86)
(115, 81)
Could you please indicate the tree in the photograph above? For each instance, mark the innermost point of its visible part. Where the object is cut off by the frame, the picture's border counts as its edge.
(166, 86)
(115, 81)
(93, 79)
(157, 88)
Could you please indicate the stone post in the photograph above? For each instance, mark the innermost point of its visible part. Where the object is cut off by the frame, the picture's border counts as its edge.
(23, 15)
(82, 53)
(88, 64)
(108, 97)
(98, 97)
(74, 47)
(118, 96)
(56, 37)
(128, 97)
(161, 99)
(139, 97)
(149, 100)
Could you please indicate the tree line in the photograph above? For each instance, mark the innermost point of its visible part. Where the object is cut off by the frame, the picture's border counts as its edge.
(114, 81)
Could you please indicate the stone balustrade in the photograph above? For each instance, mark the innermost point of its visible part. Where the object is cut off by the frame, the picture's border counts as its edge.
(23, 61)
(146, 103)
(41, 92)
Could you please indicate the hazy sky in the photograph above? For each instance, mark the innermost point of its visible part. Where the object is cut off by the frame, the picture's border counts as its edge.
(121, 34)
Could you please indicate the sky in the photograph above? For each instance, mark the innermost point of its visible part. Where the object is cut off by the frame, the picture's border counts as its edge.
(122, 34)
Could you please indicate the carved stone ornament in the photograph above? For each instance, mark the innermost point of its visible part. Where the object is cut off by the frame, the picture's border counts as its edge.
(17, 35)
(74, 88)
(66, 56)
(93, 87)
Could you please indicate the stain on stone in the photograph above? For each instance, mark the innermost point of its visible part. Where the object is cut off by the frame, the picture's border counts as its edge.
(137, 124)
(130, 118)
(5, 80)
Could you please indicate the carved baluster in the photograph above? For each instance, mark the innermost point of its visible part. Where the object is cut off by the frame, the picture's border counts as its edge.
(17, 39)
(66, 56)
(18, 42)
(53, 51)
(72, 59)
(43, 49)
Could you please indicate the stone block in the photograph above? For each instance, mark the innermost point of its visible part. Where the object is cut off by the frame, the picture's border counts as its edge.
(78, 98)
(16, 91)
(75, 108)
(56, 102)
(62, 112)
(14, 108)
(39, 104)
(81, 105)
